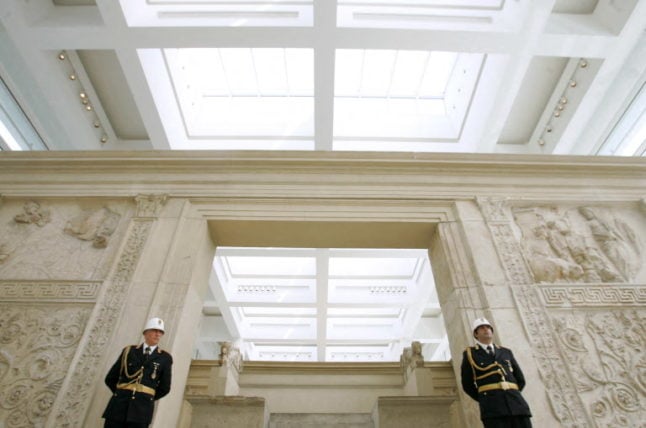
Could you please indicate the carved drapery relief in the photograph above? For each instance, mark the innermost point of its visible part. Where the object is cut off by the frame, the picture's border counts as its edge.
(577, 245)
(94, 225)
(49, 252)
(37, 344)
(71, 404)
(33, 213)
(605, 352)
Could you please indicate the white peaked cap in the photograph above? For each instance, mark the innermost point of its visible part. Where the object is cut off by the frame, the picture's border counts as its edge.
(478, 322)
(155, 324)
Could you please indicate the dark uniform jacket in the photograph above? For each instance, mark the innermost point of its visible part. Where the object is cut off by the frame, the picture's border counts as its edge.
(136, 381)
(494, 381)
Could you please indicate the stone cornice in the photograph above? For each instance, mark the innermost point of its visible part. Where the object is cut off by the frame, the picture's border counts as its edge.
(320, 175)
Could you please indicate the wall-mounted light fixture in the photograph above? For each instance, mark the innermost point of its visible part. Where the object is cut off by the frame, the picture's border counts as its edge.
(84, 98)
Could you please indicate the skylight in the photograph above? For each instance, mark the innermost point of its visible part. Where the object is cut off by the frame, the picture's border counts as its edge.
(244, 98)
(395, 100)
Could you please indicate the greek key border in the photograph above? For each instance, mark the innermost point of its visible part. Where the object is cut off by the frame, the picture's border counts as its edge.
(572, 295)
(49, 291)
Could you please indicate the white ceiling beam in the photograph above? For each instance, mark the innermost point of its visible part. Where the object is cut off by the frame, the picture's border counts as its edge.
(511, 79)
(134, 74)
(322, 268)
(324, 59)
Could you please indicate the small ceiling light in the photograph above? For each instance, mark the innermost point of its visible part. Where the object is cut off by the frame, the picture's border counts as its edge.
(563, 100)
(572, 83)
(72, 76)
(557, 113)
(61, 56)
(541, 142)
(85, 101)
(96, 124)
(548, 129)
(88, 107)
(583, 63)
(560, 107)
(104, 138)
(83, 95)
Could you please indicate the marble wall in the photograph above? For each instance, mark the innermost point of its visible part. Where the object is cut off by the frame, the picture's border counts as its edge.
(551, 251)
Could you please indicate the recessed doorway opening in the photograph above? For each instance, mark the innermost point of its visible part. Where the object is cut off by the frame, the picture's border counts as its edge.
(322, 305)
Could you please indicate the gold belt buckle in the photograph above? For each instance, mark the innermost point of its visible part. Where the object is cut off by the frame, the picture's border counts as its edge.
(504, 385)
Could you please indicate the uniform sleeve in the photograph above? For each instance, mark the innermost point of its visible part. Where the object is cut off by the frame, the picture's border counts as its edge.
(518, 373)
(112, 378)
(165, 379)
(467, 378)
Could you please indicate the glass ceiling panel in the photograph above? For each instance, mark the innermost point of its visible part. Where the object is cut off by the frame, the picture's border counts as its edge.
(383, 267)
(244, 98)
(389, 94)
(269, 266)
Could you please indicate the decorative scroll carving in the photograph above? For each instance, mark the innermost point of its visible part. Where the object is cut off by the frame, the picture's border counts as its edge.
(495, 212)
(95, 225)
(149, 205)
(74, 398)
(590, 296)
(578, 245)
(564, 399)
(33, 213)
(605, 352)
(37, 346)
(49, 291)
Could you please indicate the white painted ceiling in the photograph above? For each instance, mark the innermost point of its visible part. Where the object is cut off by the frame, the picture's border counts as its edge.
(470, 76)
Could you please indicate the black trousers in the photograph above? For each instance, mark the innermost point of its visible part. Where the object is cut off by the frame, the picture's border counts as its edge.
(508, 422)
(116, 424)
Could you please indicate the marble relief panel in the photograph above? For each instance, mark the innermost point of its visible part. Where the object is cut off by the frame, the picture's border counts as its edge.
(583, 244)
(37, 344)
(59, 239)
(604, 352)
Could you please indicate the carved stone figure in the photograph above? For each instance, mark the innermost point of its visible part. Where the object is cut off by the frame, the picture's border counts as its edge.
(546, 265)
(617, 241)
(594, 268)
(96, 226)
(32, 213)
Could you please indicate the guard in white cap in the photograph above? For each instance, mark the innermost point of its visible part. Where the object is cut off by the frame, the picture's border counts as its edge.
(140, 376)
(493, 378)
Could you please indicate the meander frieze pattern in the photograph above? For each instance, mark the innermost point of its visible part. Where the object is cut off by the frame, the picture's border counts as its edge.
(74, 399)
(605, 352)
(37, 344)
(591, 296)
(50, 291)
